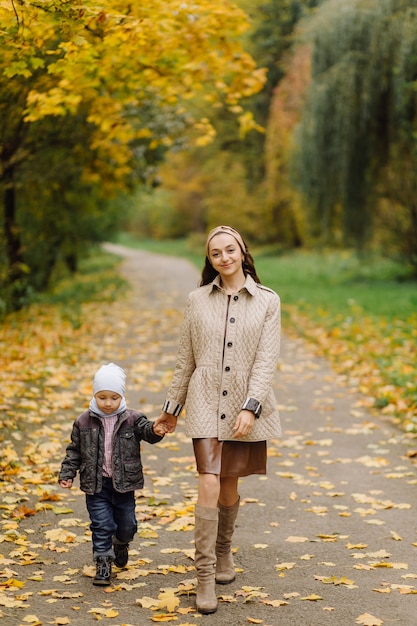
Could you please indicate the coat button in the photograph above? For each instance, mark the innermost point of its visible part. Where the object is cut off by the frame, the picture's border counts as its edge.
(235, 298)
(232, 320)
(227, 368)
(222, 416)
(229, 344)
(224, 392)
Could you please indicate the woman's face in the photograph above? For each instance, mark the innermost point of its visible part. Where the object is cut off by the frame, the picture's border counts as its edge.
(225, 255)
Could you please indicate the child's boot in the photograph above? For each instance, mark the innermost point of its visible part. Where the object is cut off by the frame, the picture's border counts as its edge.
(121, 553)
(103, 571)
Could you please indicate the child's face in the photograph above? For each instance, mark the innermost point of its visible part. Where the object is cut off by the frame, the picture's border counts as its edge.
(108, 401)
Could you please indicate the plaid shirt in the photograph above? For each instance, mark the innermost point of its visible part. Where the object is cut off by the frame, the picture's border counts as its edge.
(108, 425)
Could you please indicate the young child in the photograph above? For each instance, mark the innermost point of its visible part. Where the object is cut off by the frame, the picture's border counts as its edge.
(105, 448)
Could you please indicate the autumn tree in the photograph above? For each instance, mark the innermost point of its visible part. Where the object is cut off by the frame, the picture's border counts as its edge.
(357, 138)
(284, 212)
(104, 88)
(233, 176)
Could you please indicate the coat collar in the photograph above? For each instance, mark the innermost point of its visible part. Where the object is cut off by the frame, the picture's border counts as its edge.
(250, 285)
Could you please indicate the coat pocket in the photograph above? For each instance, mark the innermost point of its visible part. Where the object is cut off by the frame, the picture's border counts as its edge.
(133, 471)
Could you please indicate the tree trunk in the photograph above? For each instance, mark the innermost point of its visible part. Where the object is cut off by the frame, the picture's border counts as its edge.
(16, 275)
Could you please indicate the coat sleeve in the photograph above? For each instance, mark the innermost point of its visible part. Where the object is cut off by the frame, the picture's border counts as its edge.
(184, 368)
(144, 429)
(266, 358)
(72, 461)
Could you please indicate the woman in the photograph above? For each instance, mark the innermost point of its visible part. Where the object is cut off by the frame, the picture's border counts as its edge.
(227, 360)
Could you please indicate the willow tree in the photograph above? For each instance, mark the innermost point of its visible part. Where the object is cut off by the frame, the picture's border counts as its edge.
(357, 138)
(101, 87)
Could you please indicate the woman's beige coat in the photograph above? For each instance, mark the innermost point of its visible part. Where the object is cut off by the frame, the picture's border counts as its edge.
(228, 353)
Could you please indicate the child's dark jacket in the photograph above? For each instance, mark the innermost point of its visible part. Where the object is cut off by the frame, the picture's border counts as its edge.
(86, 451)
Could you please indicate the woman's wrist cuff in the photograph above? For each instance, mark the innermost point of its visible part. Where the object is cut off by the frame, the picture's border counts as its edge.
(251, 404)
(172, 407)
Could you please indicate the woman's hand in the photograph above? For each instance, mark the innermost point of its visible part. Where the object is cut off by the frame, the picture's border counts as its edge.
(243, 424)
(168, 421)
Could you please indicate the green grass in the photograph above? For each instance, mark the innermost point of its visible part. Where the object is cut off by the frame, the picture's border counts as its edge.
(97, 280)
(318, 283)
(337, 283)
(188, 249)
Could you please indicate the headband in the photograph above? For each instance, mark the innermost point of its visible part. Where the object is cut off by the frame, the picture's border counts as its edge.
(226, 230)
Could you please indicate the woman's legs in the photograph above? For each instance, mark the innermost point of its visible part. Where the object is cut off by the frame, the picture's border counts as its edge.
(215, 515)
(218, 499)
(213, 489)
(208, 490)
(228, 495)
(205, 535)
(228, 510)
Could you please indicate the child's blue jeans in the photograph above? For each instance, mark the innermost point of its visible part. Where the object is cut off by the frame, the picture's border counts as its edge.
(112, 516)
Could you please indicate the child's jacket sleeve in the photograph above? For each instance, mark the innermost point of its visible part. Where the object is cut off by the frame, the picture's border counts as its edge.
(72, 461)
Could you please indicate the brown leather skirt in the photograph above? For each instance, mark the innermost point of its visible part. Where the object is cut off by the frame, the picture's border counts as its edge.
(229, 458)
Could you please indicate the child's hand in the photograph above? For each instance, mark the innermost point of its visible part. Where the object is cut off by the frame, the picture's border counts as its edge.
(159, 429)
(66, 484)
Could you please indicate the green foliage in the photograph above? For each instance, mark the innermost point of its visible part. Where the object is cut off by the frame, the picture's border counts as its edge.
(225, 181)
(91, 98)
(272, 36)
(152, 215)
(357, 139)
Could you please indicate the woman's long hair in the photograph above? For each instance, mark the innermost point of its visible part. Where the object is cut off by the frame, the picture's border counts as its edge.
(248, 265)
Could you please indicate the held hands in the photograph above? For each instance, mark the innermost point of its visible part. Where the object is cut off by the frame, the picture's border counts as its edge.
(66, 484)
(244, 424)
(165, 422)
(159, 428)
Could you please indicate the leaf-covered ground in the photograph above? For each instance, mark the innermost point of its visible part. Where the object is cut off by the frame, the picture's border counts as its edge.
(377, 356)
(328, 536)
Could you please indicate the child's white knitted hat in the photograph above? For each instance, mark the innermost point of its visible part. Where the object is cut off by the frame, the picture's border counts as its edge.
(110, 377)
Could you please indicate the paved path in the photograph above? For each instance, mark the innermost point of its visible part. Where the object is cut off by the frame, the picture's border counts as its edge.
(328, 537)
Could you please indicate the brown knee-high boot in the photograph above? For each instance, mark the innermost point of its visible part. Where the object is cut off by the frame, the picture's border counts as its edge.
(206, 521)
(225, 568)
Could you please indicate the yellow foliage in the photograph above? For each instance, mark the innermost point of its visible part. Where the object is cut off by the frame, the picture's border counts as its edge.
(112, 60)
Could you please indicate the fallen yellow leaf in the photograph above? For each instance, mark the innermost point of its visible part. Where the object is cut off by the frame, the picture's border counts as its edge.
(147, 603)
(366, 619)
(168, 600)
(32, 619)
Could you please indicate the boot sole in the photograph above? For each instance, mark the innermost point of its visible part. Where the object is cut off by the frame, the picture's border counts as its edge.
(207, 611)
(101, 583)
(225, 582)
